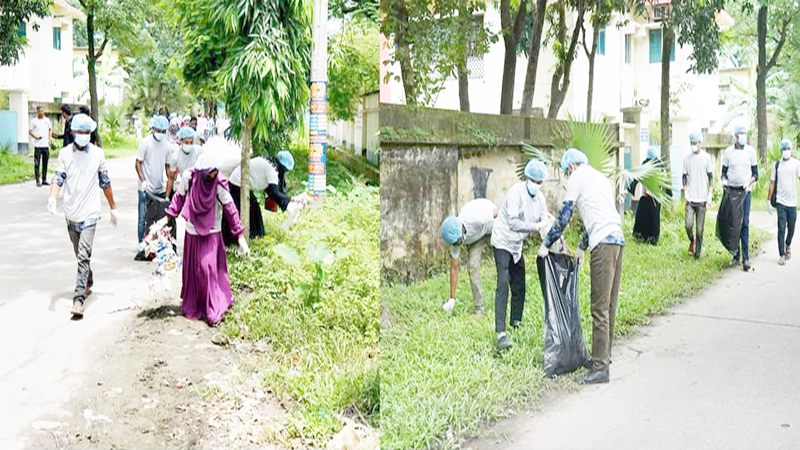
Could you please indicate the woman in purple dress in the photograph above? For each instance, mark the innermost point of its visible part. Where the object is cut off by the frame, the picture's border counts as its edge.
(202, 199)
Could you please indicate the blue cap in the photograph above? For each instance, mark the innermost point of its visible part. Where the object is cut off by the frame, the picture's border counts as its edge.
(536, 170)
(573, 156)
(160, 123)
(451, 230)
(186, 133)
(696, 137)
(739, 130)
(286, 160)
(653, 152)
(786, 145)
(82, 122)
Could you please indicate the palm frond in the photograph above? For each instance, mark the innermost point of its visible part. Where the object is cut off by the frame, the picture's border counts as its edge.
(650, 174)
(530, 152)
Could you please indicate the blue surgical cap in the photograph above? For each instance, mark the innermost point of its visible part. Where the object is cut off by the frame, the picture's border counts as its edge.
(653, 152)
(573, 156)
(186, 133)
(160, 123)
(786, 145)
(286, 160)
(536, 170)
(695, 137)
(451, 230)
(739, 130)
(82, 122)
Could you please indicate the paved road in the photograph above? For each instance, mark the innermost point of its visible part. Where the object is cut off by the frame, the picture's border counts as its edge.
(720, 372)
(44, 354)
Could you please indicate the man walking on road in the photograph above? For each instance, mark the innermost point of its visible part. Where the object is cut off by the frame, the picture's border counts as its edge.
(152, 163)
(698, 176)
(472, 228)
(593, 194)
(739, 173)
(523, 212)
(41, 131)
(783, 185)
(80, 166)
(66, 113)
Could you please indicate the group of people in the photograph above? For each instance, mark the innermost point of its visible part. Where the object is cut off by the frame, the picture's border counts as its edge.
(41, 130)
(524, 211)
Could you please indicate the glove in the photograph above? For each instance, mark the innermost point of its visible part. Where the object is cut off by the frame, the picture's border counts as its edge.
(51, 205)
(449, 305)
(725, 182)
(244, 250)
(579, 254)
(770, 209)
(113, 218)
(543, 251)
(146, 186)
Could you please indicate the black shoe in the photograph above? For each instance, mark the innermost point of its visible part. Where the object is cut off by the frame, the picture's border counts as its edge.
(515, 324)
(45, 183)
(733, 262)
(588, 363)
(503, 343)
(38, 183)
(140, 257)
(746, 266)
(595, 377)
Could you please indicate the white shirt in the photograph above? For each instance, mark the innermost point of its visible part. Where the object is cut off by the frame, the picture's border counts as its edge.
(41, 127)
(739, 161)
(181, 161)
(155, 155)
(788, 173)
(519, 212)
(594, 196)
(82, 183)
(223, 198)
(477, 216)
(262, 174)
(696, 167)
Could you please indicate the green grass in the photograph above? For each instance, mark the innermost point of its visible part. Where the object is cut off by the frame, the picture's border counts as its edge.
(15, 168)
(441, 380)
(311, 296)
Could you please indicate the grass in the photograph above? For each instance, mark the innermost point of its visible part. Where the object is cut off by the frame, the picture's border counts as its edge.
(15, 168)
(441, 380)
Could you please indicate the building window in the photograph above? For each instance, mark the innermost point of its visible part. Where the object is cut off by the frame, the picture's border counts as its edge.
(628, 43)
(57, 38)
(601, 41)
(655, 47)
(22, 31)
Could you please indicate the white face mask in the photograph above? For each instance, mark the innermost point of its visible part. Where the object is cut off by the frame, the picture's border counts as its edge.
(533, 188)
(159, 136)
(695, 148)
(741, 139)
(187, 148)
(787, 154)
(82, 140)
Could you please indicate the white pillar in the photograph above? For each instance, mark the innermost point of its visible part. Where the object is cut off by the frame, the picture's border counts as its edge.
(18, 101)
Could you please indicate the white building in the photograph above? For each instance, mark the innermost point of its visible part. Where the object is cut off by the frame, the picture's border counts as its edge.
(43, 74)
(627, 73)
(111, 78)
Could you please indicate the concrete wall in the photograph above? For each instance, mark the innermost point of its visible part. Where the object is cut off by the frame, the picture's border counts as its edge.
(360, 135)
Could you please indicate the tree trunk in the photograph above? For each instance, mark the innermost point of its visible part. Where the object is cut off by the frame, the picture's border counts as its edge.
(463, 85)
(668, 36)
(533, 59)
(761, 84)
(91, 59)
(404, 54)
(560, 84)
(244, 199)
(511, 34)
(591, 55)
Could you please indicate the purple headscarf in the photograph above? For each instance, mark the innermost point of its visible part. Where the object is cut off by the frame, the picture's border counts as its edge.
(201, 200)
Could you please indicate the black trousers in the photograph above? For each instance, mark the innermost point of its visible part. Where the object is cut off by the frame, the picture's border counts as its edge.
(256, 220)
(43, 154)
(508, 273)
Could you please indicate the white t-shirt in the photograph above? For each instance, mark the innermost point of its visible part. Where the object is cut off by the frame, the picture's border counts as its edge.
(788, 173)
(223, 198)
(512, 225)
(262, 174)
(594, 196)
(41, 127)
(82, 183)
(181, 161)
(696, 167)
(155, 155)
(738, 161)
(477, 216)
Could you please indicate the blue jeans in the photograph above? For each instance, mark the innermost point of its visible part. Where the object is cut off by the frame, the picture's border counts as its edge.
(787, 216)
(142, 214)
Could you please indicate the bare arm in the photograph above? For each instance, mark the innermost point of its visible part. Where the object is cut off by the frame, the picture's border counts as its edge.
(109, 196)
(54, 190)
(771, 189)
(139, 170)
(170, 180)
(454, 265)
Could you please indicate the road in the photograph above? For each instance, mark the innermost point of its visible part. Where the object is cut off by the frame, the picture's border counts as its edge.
(717, 373)
(45, 355)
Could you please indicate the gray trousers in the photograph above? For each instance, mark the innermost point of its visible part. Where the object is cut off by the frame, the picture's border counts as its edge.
(82, 242)
(606, 274)
(695, 211)
(474, 267)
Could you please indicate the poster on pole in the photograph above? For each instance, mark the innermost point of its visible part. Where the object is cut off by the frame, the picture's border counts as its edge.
(318, 138)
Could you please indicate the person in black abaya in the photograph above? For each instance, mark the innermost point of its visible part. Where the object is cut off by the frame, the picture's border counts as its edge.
(647, 226)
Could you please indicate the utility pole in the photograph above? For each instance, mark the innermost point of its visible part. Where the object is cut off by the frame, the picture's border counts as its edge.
(318, 119)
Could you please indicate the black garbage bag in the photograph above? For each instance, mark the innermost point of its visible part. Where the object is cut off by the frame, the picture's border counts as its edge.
(729, 217)
(564, 348)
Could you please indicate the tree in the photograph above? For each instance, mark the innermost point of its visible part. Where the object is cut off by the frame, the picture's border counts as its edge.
(565, 50)
(353, 68)
(601, 16)
(13, 15)
(512, 23)
(258, 54)
(533, 57)
(367, 10)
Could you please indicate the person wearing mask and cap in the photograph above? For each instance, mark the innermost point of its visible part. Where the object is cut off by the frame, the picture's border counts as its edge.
(152, 163)
(524, 211)
(174, 128)
(593, 194)
(783, 189)
(740, 172)
(647, 224)
(268, 175)
(473, 229)
(81, 167)
(185, 155)
(85, 110)
(698, 182)
(202, 199)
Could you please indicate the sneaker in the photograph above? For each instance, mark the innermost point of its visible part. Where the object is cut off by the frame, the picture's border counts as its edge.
(733, 262)
(782, 261)
(38, 183)
(746, 266)
(77, 308)
(479, 312)
(503, 343)
(788, 253)
(45, 183)
(595, 377)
